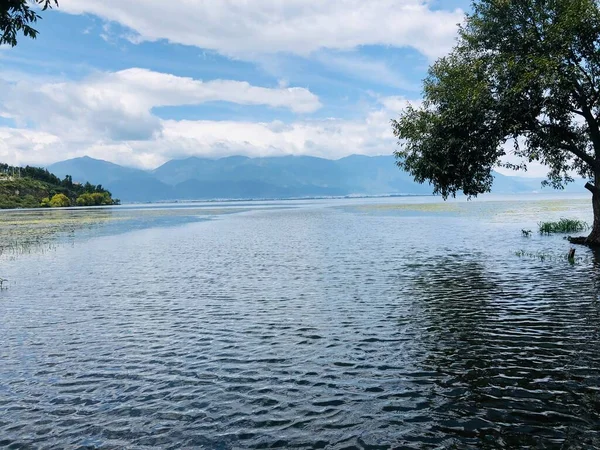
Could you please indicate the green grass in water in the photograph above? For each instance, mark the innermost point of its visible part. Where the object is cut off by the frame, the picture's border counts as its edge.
(563, 226)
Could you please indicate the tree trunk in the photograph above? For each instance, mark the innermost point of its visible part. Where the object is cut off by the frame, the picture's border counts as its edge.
(593, 240)
(594, 237)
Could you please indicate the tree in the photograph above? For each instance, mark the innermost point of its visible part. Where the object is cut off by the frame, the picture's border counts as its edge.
(17, 16)
(84, 200)
(88, 187)
(96, 199)
(59, 201)
(523, 78)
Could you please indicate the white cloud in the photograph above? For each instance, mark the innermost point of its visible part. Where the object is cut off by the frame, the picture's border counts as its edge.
(119, 105)
(22, 146)
(242, 28)
(397, 103)
(330, 138)
(74, 118)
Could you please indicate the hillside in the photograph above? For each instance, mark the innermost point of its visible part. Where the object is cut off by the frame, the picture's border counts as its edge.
(240, 177)
(32, 187)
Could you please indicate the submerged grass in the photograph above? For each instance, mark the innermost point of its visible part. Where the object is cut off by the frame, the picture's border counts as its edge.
(534, 255)
(563, 226)
(549, 257)
(40, 230)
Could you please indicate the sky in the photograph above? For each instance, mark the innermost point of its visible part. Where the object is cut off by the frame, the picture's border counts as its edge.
(140, 83)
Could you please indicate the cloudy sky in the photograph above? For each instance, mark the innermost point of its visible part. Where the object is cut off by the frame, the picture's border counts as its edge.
(139, 83)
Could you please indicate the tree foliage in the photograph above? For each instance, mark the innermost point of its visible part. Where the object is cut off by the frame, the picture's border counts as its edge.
(522, 79)
(17, 16)
(28, 187)
(95, 199)
(59, 201)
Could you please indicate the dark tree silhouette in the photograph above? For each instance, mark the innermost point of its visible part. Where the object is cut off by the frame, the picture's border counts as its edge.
(17, 16)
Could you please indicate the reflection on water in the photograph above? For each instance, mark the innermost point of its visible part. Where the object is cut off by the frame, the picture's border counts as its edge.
(348, 324)
(515, 358)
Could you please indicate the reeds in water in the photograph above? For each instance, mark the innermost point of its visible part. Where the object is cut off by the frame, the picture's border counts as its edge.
(563, 226)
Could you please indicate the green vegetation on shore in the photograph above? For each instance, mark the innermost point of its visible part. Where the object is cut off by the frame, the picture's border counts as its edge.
(33, 187)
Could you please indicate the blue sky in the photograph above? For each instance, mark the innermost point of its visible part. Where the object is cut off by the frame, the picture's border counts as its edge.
(141, 85)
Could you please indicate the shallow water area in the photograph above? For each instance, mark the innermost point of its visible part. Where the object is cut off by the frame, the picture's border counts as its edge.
(349, 323)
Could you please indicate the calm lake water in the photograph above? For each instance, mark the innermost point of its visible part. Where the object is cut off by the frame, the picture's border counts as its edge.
(363, 323)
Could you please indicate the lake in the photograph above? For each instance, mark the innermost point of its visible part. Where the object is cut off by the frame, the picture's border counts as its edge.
(338, 324)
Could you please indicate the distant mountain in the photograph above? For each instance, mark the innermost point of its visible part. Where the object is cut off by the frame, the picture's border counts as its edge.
(86, 167)
(134, 185)
(240, 177)
(296, 176)
(374, 175)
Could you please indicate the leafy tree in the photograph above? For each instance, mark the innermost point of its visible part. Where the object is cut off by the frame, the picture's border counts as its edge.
(29, 201)
(84, 200)
(96, 199)
(17, 16)
(102, 198)
(67, 182)
(524, 78)
(60, 201)
(88, 187)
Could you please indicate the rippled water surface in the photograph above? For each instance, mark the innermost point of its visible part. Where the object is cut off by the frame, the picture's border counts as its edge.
(389, 323)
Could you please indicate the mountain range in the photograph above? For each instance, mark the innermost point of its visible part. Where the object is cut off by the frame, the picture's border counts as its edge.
(240, 177)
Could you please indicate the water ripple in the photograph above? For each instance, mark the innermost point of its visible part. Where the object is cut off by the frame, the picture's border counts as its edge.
(301, 328)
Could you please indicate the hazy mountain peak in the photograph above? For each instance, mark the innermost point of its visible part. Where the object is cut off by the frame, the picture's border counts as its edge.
(269, 177)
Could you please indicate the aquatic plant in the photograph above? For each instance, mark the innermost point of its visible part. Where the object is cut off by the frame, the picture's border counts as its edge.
(526, 233)
(563, 226)
(544, 257)
(537, 255)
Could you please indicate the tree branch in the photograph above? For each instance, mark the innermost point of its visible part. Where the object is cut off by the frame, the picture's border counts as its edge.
(581, 155)
(584, 73)
(593, 189)
(576, 111)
